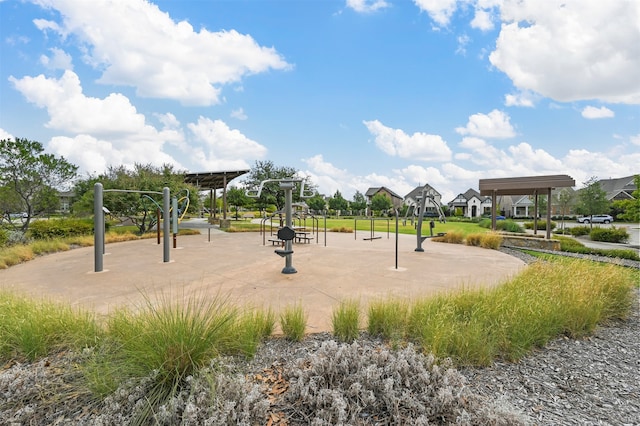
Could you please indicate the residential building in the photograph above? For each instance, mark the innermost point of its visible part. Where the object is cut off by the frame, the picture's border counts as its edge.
(471, 204)
(618, 189)
(396, 200)
(434, 198)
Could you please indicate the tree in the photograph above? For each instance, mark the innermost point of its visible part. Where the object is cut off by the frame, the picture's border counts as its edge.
(31, 176)
(317, 203)
(338, 203)
(138, 208)
(271, 192)
(359, 203)
(237, 198)
(592, 199)
(564, 199)
(380, 202)
(630, 209)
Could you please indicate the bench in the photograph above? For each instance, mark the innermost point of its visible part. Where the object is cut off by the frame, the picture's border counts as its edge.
(303, 239)
(276, 241)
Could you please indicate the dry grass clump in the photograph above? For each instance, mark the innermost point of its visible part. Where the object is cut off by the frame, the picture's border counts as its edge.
(490, 240)
(10, 256)
(293, 322)
(451, 237)
(343, 229)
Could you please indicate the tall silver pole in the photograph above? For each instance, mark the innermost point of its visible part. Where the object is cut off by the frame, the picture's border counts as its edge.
(287, 186)
(165, 222)
(419, 226)
(98, 227)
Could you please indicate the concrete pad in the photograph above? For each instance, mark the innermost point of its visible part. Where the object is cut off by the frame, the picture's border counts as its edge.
(240, 267)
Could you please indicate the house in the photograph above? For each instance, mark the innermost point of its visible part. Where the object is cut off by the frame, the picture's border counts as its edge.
(432, 204)
(396, 200)
(471, 204)
(66, 198)
(618, 189)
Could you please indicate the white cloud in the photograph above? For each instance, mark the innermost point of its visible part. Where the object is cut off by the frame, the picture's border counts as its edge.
(239, 114)
(522, 99)
(135, 44)
(421, 146)
(367, 6)
(495, 125)
(224, 148)
(482, 20)
(591, 112)
(5, 135)
(59, 60)
(110, 131)
(318, 165)
(439, 10)
(635, 139)
(463, 40)
(571, 50)
(70, 110)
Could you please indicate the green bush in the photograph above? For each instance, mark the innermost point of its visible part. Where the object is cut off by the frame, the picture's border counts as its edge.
(578, 231)
(542, 225)
(60, 228)
(609, 235)
(507, 225)
(4, 237)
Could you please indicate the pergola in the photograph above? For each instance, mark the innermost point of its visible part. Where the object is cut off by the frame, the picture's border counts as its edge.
(531, 185)
(213, 181)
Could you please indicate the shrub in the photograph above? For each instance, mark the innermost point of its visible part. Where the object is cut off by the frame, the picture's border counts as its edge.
(346, 321)
(354, 384)
(60, 228)
(507, 225)
(293, 323)
(542, 225)
(578, 231)
(343, 229)
(4, 237)
(609, 235)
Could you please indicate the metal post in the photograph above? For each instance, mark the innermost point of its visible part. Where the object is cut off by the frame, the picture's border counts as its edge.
(174, 219)
(166, 228)
(98, 227)
(287, 186)
(419, 226)
(396, 238)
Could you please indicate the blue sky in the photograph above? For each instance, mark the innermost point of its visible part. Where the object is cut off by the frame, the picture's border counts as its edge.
(353, 93)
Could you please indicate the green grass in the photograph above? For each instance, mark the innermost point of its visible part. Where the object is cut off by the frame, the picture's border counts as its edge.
(345, 321)
(388, 319)
(30, 329)
(293, 322)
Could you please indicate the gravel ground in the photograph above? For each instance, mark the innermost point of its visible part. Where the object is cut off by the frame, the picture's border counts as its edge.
(591, 381)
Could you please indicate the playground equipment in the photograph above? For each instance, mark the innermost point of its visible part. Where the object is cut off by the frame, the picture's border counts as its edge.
(422, 199)
(372, 231)
(98, 222)
(286, 233)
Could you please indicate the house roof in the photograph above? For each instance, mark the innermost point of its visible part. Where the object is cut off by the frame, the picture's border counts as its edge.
(417, 191)
(615, 187)
(374, 190)
(212, 180)
(528, 185)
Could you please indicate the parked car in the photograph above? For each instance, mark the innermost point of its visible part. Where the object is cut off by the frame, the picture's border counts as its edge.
(596, 218)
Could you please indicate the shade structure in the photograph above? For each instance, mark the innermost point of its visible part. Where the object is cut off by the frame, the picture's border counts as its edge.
(213, 181)
(527, 185)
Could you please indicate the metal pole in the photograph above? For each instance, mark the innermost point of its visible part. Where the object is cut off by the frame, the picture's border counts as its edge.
(98, 227)
(158, 224)
(165, 222)
(396, 238)
(288, 187)
(419, 226)
(174, 219)
(288, 245)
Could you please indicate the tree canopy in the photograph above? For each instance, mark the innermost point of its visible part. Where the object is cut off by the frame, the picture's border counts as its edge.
(338, 203)
(30, 178)
(359, 202)
(271, 192)
(592, 199)
(140, 209)
(380, 202)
